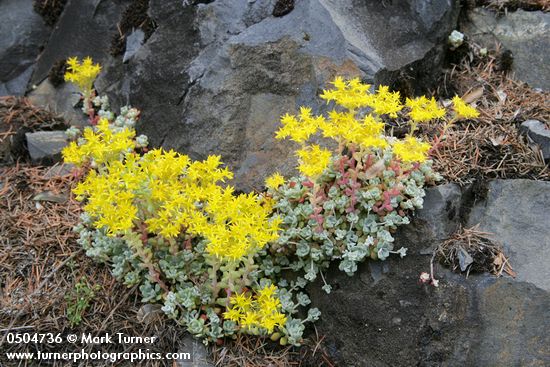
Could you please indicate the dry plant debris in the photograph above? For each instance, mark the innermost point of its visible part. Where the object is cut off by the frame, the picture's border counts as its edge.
(492, 146)
(470, 250)
(249, 351)
(511, 5)
(17, 117)
(40, 263)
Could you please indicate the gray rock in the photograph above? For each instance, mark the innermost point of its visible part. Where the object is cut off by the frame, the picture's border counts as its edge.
(439, 218)
(45, 146)
(51, 197)
(59, 170)
(383, 316)
(85, 28)
(215, 78)
(23, 33)
(154, 80)
(149, 313)
(18, 85)
(524, 33)
(197, 351)
(540, 134)
(62, 100)
(516, 212)
(133, 43)
(515, 327)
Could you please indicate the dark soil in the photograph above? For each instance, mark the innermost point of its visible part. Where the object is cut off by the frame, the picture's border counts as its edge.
(134, 17)
(57, 73)
(283, 7)
(505, 61)
(483, 259)
(50, 10)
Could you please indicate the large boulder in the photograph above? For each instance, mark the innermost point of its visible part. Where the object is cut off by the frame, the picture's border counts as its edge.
(85, 28)
(23, 34)
(525, 33)
(383, 316)
(516, 213)
(215, 78)
(154, 78)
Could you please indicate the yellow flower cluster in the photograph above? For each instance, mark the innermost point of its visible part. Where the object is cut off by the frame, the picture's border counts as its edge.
(345, 128)
(350, 94)
(411, 149)
(110, 197)
(102, 145)
(464, 110)
(423, 109)
(352, 129)
(385, 102)
(299, 128)
(353, 94)
(82, 74)
(263, 311)
(171, 195)
(274, 181)
(313, 160)
(237, 226)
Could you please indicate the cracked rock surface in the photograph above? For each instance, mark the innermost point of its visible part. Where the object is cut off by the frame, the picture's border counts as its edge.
(382, 316)
(216, 77)
(525, 33)
(22, 34)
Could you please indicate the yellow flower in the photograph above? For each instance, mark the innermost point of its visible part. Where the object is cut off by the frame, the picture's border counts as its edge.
(261, 311)
(109, 202)
(102, 146)
(424, 109)
(351, 94)
(370, 134)
(233, 314)
(464, 110)
(313, 160)
(386, 102)
(411, 149)
(249, 319)
(342, 125)
(267, 292)
(299, 128)
(239, 225)
(242, 301)
(72, 154)
(82, 74)
(274, 181)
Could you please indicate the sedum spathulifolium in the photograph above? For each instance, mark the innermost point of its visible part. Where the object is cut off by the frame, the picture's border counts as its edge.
(217, 260)
(173, 227)
(347, 202)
